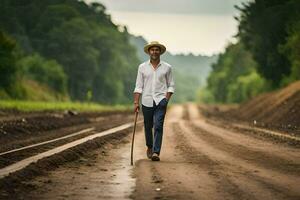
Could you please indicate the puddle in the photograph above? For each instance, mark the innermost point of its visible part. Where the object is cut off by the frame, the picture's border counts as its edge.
(120, 184)
(124, 182)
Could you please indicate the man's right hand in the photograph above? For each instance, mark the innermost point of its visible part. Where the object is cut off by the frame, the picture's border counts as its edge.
(136, 107)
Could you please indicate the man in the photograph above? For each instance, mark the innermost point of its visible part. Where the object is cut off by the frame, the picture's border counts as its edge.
(156, 85)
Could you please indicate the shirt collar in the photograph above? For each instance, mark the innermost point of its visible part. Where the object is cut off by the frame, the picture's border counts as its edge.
(149, 63)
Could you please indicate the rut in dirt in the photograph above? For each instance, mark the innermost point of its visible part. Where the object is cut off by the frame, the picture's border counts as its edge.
(201, 158)
(203, 161)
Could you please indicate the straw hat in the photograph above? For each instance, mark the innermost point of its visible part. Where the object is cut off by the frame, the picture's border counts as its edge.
(154, 44)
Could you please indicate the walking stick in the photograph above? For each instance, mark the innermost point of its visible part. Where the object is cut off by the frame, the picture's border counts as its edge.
(134, 127)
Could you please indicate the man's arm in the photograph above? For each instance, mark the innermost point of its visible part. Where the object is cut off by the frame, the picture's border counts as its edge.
(170, 84)
(138, 90)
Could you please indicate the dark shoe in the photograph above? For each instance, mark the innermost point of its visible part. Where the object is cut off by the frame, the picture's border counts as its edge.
(155, 157)
(149, 153)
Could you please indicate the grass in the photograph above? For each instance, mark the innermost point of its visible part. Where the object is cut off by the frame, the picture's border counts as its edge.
(49, 106)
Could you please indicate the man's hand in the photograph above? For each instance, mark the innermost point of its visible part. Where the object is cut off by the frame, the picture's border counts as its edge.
(136, 102)
(168, 96)
(136, 107)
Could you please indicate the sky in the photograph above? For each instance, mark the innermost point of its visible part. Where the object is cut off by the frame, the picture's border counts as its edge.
(185, 26)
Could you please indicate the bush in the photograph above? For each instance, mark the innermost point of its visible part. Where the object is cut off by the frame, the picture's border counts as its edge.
(246, 87)
(234, 77)
(47, 72)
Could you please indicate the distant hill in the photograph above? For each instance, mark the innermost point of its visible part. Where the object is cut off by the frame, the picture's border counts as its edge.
(190, 71)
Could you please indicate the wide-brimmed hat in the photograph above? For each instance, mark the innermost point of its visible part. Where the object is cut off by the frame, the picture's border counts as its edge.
(155, 44)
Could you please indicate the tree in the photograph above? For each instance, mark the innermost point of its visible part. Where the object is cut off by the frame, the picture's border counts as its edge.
(47, 72)
(234, 78)
(262, 28)
(292, 51)
(95, 55)
(8, 68)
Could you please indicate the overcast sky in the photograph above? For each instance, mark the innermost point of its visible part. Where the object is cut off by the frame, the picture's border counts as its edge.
(189, 26)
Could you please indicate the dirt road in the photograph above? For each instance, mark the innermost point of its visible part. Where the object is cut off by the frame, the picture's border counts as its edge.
(199, 160)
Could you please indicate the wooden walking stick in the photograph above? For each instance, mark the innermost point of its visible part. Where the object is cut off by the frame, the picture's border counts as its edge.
(134, 127)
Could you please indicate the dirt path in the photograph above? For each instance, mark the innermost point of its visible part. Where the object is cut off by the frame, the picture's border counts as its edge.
(199, 160)
(202, 161)
(103, 174)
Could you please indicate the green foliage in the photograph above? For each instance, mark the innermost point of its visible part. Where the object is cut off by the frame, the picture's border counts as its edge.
(292, 51)
(79, 38)
(265, 57)
(234, 78)
(47, 72)
(246, 87)
(263, 28)
(36, 91)
(204, 95)
(54, 105)
(8, 67)
(71, 45)
(10, 87)
(186, 87)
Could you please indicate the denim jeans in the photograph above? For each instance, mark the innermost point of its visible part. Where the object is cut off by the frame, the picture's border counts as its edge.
(154, 117)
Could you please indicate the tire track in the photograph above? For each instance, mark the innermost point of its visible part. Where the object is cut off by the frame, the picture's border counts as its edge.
(225, 187)
(176, 175)
(277, 137)
(243, 151)
(283, 185)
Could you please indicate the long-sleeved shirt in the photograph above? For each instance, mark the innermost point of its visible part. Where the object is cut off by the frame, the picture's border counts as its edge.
(154, 84)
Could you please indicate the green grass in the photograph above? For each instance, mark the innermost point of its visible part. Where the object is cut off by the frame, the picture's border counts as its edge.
(49, 106)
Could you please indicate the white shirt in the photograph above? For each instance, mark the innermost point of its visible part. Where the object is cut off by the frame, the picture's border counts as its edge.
(154, 84)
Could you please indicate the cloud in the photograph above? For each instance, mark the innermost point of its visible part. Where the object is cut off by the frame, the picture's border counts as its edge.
(206, 7)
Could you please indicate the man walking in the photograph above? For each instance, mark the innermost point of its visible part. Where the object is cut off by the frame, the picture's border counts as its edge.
(156, 85)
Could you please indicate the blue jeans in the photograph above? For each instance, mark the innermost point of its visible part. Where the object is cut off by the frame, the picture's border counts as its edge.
(154, 117)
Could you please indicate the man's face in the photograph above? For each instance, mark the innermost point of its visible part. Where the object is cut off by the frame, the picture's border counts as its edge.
(154, 53)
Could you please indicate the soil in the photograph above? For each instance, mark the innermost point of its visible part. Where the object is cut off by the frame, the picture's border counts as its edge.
(208, 152)
(278, 110)
(35, 128)
(199, 160)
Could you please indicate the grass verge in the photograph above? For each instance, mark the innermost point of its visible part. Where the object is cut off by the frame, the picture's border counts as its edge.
(27, 106)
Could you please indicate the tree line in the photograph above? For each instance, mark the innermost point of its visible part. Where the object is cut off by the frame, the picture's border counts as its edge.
(265, 57)
(68, 47)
